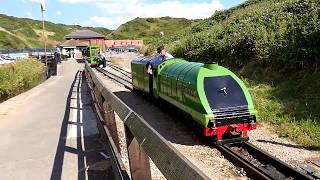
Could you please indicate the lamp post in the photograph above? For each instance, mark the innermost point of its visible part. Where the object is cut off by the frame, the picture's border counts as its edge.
(42, 5)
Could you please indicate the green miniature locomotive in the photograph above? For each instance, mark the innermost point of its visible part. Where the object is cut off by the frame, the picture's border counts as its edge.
(215, 98)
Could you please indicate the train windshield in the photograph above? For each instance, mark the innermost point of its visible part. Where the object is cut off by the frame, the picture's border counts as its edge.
(223, 92)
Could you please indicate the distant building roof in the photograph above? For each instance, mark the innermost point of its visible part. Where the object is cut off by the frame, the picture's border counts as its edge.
(74, 43)
(83, 34)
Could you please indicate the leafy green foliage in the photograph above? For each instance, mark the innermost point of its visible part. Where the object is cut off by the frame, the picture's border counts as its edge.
(23, 32)
(288, 100)
(282, 33)
(20, 76)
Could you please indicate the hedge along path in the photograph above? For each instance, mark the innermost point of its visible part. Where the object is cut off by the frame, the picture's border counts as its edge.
(20, 76)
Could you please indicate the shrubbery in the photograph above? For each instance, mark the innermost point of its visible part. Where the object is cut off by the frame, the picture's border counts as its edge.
(281, 33)
(20, 76)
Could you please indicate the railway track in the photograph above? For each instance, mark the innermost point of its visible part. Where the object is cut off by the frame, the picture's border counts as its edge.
(118, 75)
(122, 71)
(257, 163)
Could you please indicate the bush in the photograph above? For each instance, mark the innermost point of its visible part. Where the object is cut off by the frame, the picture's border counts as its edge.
(282, 33)
(20, 76)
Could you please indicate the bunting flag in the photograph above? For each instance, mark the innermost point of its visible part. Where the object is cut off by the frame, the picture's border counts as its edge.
(43, 5)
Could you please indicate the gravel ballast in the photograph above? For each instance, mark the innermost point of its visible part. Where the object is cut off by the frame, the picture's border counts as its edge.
(281, 148)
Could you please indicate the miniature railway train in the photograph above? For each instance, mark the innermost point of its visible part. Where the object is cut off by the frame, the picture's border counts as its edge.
(215, 98)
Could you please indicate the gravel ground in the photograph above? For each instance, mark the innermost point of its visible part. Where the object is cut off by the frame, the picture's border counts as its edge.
(126, 57)
(198, 152)
(281, 148)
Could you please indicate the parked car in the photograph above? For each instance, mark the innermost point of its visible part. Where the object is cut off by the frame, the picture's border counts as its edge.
(5, 61)
(7, 58)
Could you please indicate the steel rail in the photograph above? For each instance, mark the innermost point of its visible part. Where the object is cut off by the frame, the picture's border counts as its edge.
(267, 158)
(125, 82)
(122, 71)
(259, 172)
(236, 159)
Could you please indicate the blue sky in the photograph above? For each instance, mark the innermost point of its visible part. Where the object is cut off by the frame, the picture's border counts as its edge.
(112, 13)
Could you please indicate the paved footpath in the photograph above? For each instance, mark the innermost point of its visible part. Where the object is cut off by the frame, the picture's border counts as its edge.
(49, 132)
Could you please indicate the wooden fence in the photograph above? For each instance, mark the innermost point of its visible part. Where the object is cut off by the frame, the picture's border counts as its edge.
(142, 140)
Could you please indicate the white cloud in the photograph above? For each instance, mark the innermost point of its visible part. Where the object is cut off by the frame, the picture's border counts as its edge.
(58, 13)
(117, 12)
(108, 22)
(29, 15)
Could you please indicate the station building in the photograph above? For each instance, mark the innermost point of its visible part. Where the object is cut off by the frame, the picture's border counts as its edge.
(88, 37)
(72, 48)
(77, 41)
(123, 43)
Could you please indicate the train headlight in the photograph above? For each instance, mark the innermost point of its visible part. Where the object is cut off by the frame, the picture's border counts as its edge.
(212, 123)
(252, 119)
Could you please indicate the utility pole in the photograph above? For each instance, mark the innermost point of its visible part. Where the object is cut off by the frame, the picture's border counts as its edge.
(42, 4)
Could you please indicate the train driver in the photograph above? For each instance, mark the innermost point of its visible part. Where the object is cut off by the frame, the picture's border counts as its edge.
(163, 56)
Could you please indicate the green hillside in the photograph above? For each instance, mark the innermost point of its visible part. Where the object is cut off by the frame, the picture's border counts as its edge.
(149, 28)
(274, 46)
(27, 33)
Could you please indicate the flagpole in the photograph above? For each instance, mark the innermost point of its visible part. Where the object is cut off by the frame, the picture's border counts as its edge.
(45, 42)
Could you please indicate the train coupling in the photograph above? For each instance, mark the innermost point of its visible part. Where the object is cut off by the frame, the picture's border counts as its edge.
(232, 140)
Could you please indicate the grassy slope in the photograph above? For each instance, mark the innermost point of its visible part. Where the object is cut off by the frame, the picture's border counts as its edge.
(149, 28)
(8, 40)
(274, 46)
(23, 32)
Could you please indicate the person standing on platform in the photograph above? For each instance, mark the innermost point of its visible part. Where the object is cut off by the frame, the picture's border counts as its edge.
(72, 53)
(58, 55)
(103, 59)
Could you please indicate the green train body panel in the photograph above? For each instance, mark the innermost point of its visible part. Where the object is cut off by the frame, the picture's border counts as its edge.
(94, 60)
(140, 78)
(181, 83)
(92, 54)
